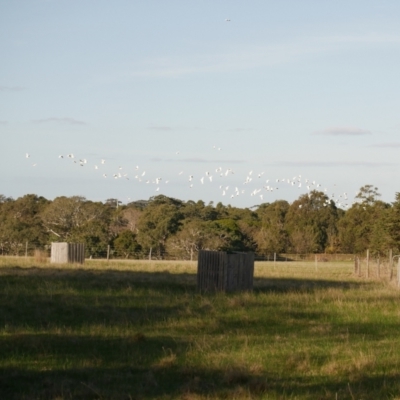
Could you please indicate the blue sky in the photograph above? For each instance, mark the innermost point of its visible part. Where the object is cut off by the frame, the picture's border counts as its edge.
(295, 91)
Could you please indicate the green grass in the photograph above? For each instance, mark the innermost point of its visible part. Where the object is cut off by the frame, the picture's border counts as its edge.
(140, 330)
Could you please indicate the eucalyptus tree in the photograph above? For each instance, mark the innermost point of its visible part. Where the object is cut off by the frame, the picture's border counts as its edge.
(363, 225)
(393, 223)
(223, 235)
(248, 224)
(5, 199)
(189, 239)
(310, 221)
(160, 219)
(271, 236)
(77, 219)
(20, 222)
(199, 210)
(126, 244)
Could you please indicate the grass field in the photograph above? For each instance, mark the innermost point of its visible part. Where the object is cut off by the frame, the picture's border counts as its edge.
(140, 330)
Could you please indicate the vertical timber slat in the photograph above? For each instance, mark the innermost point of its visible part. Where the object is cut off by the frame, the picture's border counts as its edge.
(64, 253)
(220, 271)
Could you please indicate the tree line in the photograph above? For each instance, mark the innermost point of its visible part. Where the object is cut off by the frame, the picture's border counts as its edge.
(163, 225)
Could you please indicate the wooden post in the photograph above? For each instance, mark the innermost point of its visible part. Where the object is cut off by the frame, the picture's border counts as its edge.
(355, 266)
(274, 259)
(359, 266)
(398, 273)
(367, 263)
(390, 264)
(108, 252)
(316, 262)
(379, 267)
(26, 249)
(150, 253)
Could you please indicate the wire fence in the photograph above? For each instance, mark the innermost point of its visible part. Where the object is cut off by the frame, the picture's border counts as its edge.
(100, 251)
(375, 266)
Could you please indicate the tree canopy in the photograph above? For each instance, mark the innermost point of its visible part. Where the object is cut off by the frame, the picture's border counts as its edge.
(162, 225)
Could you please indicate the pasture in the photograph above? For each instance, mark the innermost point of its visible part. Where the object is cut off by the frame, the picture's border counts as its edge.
(140, 330)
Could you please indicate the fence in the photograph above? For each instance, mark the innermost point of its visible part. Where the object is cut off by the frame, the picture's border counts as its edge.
(377, 264)
(28, 248)
(378, 267)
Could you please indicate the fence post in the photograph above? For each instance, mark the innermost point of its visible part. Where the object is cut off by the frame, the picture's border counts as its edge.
(391, 264)
(274, 259)
(398, 273)
(316, 262)
(379, 267)
(359, 266)
(367, 263)
(108, 252)
(26, 249)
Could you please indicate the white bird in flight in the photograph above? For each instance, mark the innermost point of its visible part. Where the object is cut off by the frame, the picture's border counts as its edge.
(222, 174)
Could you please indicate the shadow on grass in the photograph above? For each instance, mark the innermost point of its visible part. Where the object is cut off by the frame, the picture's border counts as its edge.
(108, 345)
(285, 285)
(174, 382)
(38, 298)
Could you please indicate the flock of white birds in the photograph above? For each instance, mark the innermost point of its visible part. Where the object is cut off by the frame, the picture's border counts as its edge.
(254, 183)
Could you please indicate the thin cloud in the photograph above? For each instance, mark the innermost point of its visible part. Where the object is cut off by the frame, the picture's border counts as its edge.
(331, 164)
(202, 160)
(242, 129)
(343, 131)
(244, 57)
(11, 88)
(198, 160)
(368, 39)
(65, 120)
(172, 128)
(160, 128)
(386, 145)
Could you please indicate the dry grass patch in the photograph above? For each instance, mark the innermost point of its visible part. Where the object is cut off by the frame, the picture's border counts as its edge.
(168, 360)
(40, 257)
(353, 365)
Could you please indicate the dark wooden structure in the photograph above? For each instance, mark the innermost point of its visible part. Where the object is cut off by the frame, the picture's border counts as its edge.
(226, 272)
(67, 253)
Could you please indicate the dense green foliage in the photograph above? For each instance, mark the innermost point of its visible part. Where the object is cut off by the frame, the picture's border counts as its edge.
(166, 227)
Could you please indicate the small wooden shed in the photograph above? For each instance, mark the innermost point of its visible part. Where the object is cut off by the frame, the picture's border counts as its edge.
(227, 272)
(62, 253)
